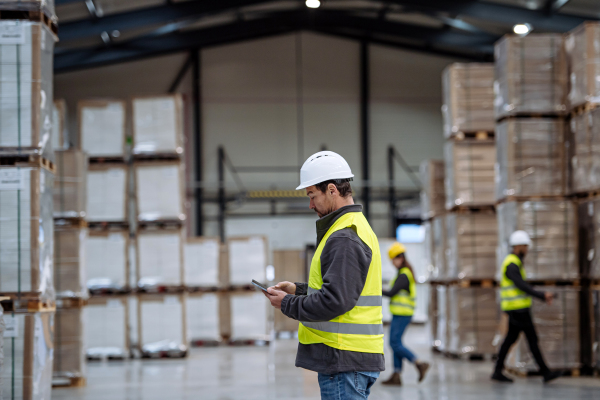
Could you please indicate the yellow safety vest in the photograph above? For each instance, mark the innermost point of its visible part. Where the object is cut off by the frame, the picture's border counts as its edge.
(360, 329)
(403, 303)
(513, 298)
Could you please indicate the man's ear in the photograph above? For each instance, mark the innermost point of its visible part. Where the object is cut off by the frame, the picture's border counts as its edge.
(331, 189)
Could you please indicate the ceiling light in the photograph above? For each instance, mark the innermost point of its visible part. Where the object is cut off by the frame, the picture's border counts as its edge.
(313, 3)
(522, 29)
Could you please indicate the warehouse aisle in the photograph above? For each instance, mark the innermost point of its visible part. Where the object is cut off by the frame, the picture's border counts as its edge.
(268, 373)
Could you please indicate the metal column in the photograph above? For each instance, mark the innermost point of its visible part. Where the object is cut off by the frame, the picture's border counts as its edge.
(391, 191)
(199, 192)
(364, 126)
(221, 198)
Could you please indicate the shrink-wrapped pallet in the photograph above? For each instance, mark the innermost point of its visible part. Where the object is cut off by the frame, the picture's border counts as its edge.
(438, 248)
(595, 293)
(26, 56)
(69, 347)
(441, 336)
(106, 195)
(106, 328)
(583, 50)
(159, 258)
(584, 152)
(26, 231)
(157, 125)
(473, 320)
(470, 173)
(102, 128)
(159, 191)
(69, 261)
(468, 98)
(1, 347)
(70, 184)
(60, 137)
(433, 196)
(202, 317)
(250, 316)
(107, 261)
(589, 237)
(45, 6)
(201, 262)
(531, 157)
(161, 325)
(558, 331)
(472, 240)
(552, 227)
(28, 356)
(432, 321)
(531, 75)
(289, 266)
(247, 259)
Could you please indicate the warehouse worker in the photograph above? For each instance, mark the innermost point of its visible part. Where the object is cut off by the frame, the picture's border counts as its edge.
(515, 296)
(339, 309)
(402, 306)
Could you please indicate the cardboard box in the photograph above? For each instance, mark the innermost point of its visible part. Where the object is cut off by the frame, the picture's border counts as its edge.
(106, 321)
(160, 191)
(69, 261)
(102, 128)
(433, 195)
(201, 262)
(584, 152)
(289, 266)
(69, 348)
(248, 258)
(589, 237)
(202, 313)
(60, 135)
(583, 50)
(107, 260)
(436, 246)
(159, 255)
(45, 6)
(162, 324)
(70, 184)
(441, 339)
(432, 321)
(251, 316)
(158, 124)
(106, 195)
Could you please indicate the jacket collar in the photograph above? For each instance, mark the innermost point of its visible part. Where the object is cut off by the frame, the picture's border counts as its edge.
(323, 224)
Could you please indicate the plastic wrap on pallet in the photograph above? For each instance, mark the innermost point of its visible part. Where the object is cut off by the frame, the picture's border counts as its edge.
(531, 75)
(26, 231)
(558, 332)
(583, 51)
(26, 54)
(28, 356)
(552, 226)
(106, 260)
(44, 6)
(102, 127)
(105, 321)
(433, 196)
(595, 294)
(584, 151)
(247, 259)
(468, 98)
(202, 317)
(432, 321)
(441, 336)
(1, 348)
(472, 240)
(70, 184)
(162, 328)
(106, 195)
(531, 157)
(159, 191)
(432, 273)
(69, 261)
(69, 347)
(473, 320)
(470, 167)
(438, 246)
(589, 240)
(158, 124)
(249, 316)
(160, 258)
(60, 136)
(201, 262)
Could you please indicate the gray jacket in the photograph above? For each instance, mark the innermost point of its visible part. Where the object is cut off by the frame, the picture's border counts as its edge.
(345, 262)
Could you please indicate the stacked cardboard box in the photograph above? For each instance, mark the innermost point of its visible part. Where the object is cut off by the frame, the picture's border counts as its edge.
(107, 261)
(584, 151)
(201, 262)
(289, 266)
(595, 303)
(70, 184)
(161, 325)
(157, 125)
(441, 341)
(159, 258)
(589, 237)
(583, 50)
(106, 321)
(102, 126)
(433, 196)
(69, 348)
(244, 315)
(202, 317)
(60, 136)
(435, 248)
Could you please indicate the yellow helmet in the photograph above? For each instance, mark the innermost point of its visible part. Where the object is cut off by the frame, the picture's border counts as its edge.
(396, 250)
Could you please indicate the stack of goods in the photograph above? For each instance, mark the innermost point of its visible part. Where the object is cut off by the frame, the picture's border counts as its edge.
(161, 325)
(595, 293)
(584, 152)
(202, 317)
(289, 266)
(440, 339)
(433, 196)
(106, 321)
(433, 313)
(26, 204)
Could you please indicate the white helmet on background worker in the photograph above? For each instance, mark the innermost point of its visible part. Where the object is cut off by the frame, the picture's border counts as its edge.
(519, 238)
(323, 166)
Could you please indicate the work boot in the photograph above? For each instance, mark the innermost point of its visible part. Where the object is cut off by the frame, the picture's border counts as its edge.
(500, 377)
(422, 367)
(550, 376)
(394, 380)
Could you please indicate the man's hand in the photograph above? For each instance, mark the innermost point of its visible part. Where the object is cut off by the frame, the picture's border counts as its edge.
(549, 297)
(275, 297)
(288, 287)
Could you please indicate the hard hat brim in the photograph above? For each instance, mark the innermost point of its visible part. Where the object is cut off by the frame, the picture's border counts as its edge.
(321, 179)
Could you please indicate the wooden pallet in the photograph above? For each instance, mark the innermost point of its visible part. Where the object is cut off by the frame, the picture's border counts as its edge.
(165, 354)
(483, 283)
(477, 135)
(160, 224)
(68, 381)
(158, 156)
(26, 302)
(108, 225)
(107, 292)
(166, 289)
(61, 222)
(476, 208)
(108, 358)
(533, 198)
(587, 195)
(107, 160)
(525, 115)
(71, 302)
(25, 160)
(249, 342)
(242, 288)
(203, 289)
(582, 108)
(205, 343)
(33, 16)
(286, 334)
(554, 282)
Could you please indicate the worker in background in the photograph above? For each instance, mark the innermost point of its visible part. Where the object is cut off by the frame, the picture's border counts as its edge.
(403, 296)
(339, 309)
(516, 298)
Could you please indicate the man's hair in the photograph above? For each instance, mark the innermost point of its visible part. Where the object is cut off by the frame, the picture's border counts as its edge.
(342, 185)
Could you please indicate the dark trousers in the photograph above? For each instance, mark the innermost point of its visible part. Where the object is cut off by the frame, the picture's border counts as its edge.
(520, 321)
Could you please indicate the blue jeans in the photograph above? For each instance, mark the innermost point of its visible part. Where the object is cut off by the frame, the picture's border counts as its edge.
(347, 385)
(397, 328)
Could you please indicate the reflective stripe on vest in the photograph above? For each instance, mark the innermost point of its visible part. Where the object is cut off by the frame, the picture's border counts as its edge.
(403, 303)
(361, 328)
(512, 298)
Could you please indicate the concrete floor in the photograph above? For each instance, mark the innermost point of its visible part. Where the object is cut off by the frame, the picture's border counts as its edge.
(268, 373)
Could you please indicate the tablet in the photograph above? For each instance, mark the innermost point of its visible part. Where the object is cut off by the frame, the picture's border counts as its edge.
(258, 285)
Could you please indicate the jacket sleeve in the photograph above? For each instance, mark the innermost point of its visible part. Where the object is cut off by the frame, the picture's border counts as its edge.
(301, 288)
(400, 284)
(345, 262)
(513, 273)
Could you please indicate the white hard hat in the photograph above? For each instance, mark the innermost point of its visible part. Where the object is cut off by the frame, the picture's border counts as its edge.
(519, 238)
(323, 166)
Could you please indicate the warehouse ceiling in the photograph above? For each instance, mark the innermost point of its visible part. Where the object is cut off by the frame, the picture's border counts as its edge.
(102, 32)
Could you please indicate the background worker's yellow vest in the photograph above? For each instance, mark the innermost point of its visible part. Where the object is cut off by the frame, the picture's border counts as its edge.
(360, 329)
(512, 298)
(403, 303)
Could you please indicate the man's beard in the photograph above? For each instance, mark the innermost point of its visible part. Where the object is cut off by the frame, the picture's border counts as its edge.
(321, 215)
(521, 255)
